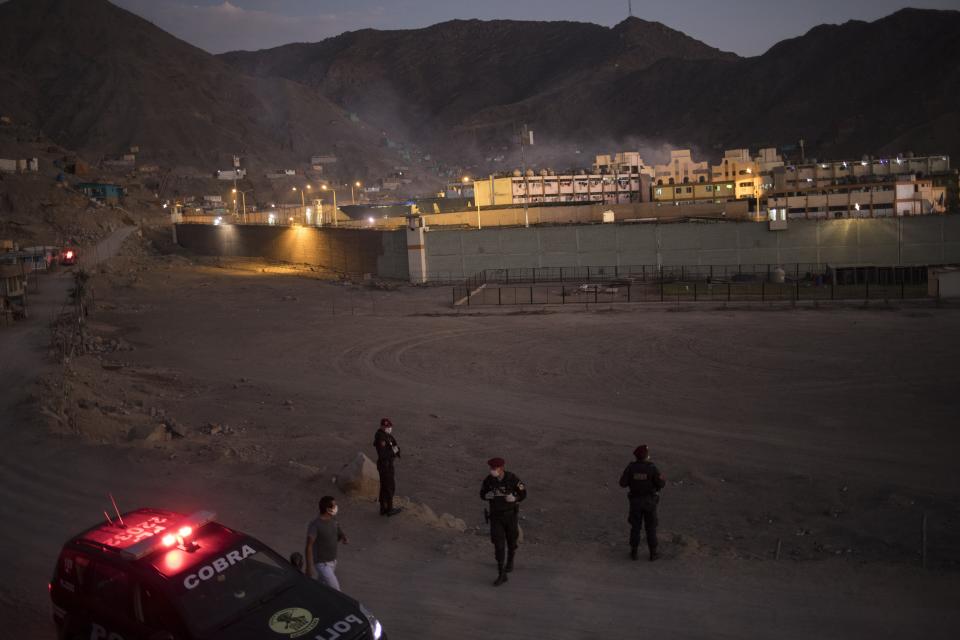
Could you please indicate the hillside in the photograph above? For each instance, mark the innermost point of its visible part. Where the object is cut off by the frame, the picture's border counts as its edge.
(427, 82)
(890, 85)
(99, 79)
(893, 84)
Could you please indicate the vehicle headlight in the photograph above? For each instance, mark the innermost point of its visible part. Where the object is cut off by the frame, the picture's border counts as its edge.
(376, 629)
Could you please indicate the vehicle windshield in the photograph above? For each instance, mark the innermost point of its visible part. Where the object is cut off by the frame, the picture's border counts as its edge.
(220, 589)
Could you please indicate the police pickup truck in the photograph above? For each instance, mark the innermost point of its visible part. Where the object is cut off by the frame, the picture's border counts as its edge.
(157, 575)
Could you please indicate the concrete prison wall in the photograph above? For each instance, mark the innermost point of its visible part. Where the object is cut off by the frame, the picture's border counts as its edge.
(345, 250)
(452, 254)
(918, 240)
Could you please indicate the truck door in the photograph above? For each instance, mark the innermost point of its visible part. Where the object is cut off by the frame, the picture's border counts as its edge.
(70, 579)
(110, 602)
(156, 614)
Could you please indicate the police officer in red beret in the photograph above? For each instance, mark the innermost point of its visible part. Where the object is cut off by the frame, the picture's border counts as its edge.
(504, 492)
(645, 482)
(387, 453)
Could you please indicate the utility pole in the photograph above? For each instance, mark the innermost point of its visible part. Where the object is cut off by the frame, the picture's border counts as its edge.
(630, 8)
(466, 180)
(324, 187)
(243, 199)
(524, 134)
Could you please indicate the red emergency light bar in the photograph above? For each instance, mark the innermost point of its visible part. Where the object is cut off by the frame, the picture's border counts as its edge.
(138, 532)
(176, 538)
(178, 532)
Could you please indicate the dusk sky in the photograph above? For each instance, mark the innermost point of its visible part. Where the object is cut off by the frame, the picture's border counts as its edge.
(747, 27)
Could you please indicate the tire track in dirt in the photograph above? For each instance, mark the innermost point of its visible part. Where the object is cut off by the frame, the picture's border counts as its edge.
(389, 362)
(369, 358)
(422, 362)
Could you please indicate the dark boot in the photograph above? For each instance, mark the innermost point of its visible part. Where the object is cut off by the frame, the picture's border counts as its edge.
(509, 567)
(501, 577)
(653, 554)
(633, 553)
(394, 511)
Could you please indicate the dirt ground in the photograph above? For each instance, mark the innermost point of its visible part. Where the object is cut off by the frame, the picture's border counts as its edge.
(831, 431)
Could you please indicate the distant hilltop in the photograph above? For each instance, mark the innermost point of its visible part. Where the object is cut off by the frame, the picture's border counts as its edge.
(876, 88)
(96, 78)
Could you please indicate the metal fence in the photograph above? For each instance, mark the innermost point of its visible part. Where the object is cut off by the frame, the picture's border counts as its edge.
(643, 273)
(639, 292)
(623, 274)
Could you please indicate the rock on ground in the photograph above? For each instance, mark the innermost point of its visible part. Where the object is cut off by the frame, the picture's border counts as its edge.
(359, 478)
(149, 432)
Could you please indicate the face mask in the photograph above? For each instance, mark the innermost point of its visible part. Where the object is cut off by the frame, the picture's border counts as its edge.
(389, 430)
(334, 510)
(494, 473)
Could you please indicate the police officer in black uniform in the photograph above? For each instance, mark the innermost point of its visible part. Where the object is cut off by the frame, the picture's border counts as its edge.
(503, 491)
(387, 453)
(645, 482)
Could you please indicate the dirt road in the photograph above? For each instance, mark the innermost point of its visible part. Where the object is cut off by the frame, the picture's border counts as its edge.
(829, 430)
(22, 346)
(23, 360)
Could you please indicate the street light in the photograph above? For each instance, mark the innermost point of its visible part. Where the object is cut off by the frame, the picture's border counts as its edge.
(353, 199)
(303, 202)
(243, 199)
(306, 210)
(324, 187)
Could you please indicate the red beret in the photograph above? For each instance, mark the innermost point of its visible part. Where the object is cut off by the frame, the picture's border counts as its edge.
(641, 452)
(495, 462)
(385, 422)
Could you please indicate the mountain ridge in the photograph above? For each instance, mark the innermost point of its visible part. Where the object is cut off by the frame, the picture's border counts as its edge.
(674, 89)
(95, 77)
(357, 69)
